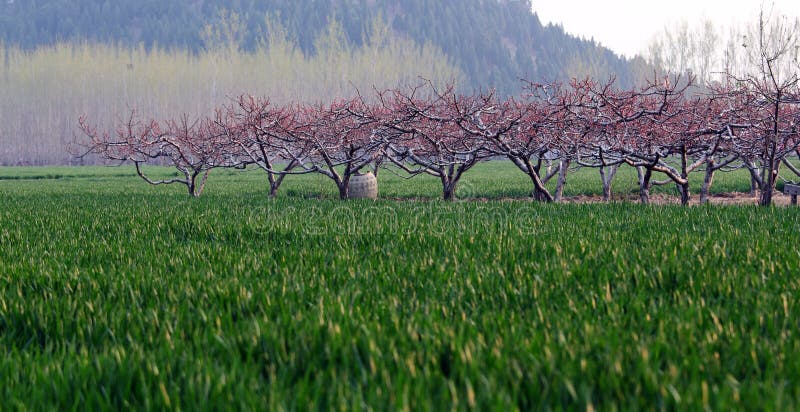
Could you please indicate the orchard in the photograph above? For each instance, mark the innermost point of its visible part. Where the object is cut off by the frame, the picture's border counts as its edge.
(665, 130)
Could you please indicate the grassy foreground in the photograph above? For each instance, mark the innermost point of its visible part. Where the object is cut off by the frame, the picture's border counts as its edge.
(114, 294)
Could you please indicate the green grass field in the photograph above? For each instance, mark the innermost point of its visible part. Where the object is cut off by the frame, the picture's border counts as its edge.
(118, 295)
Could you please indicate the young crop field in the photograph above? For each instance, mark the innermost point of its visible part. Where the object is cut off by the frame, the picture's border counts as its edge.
(119, 295)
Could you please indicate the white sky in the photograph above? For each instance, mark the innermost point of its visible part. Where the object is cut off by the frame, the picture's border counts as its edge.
(626, 26)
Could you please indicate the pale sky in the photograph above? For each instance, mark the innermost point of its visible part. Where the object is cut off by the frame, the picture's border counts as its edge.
(626, 26)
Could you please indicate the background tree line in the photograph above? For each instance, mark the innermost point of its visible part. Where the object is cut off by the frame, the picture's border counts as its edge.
(495, 43)
(711, 51)
(44, 91)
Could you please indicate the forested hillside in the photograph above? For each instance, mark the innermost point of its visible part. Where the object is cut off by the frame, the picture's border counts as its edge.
(494, 42)
(62, 59)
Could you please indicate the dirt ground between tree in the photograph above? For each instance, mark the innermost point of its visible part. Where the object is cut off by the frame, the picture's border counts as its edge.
(732, 198)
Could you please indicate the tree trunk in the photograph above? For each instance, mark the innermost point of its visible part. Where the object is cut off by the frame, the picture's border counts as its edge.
(770, 165)
(707, 181)
(685, 194)
(562, 179)
(344, 189)
(684, 187)
(766, 197)
(540, 192)
(273, 185)
(449, 191)
(377, 166)
(606, 192)
(195, 188)
(203, 179)
(273, 190)
(607, 179)
(768, 187)
(645, 175)
(753, 185)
